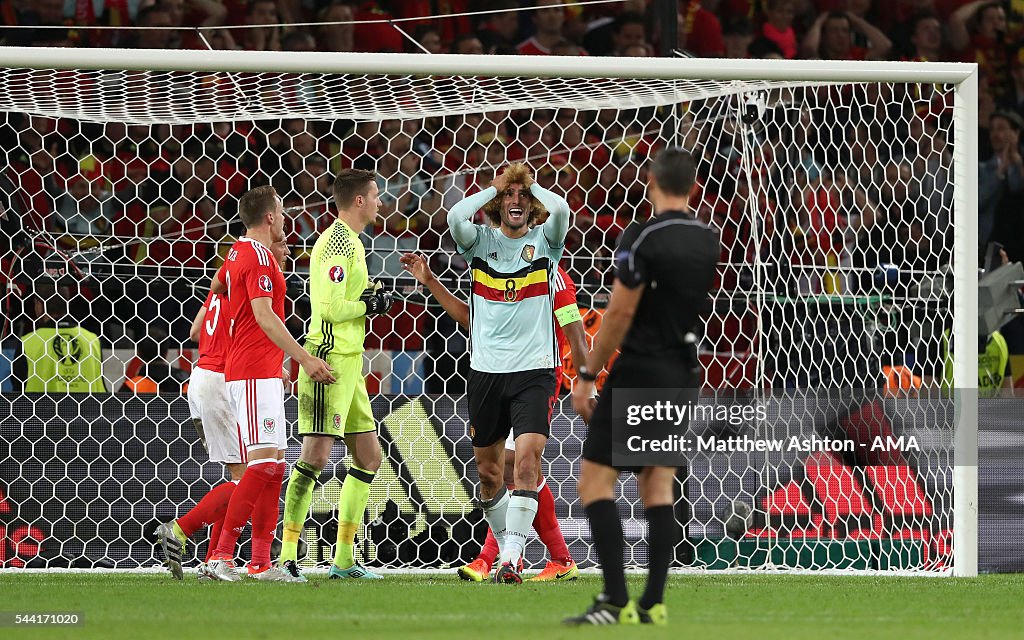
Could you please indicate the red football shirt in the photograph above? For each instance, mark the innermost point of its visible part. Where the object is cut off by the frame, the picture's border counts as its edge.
(565, 295)
(213, 335)
(251, 272)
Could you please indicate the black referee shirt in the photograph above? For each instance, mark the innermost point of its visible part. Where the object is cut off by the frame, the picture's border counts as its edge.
(676, 257)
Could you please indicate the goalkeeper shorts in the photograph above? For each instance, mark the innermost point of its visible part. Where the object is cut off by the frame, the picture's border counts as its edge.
(338, 409)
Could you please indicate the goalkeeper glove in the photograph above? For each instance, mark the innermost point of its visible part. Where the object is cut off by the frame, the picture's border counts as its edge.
(377, 300)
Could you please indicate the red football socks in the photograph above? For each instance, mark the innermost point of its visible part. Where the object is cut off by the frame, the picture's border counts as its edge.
(210, 509)
(264, 518)
(243, 501)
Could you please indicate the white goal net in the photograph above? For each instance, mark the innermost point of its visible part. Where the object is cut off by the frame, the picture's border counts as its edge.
(841, 204)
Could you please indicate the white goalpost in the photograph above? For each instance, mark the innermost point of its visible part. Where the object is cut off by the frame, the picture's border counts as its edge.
(846, 194)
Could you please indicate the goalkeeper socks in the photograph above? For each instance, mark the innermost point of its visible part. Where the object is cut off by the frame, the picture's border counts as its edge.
(546, 526)
(264, 517)
(210, 509)
(257, 475)
(355, 491)
(522, 508)
(606, 533)
(296, 507)
(662, 533)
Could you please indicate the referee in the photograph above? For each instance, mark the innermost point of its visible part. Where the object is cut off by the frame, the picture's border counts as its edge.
(665, 268)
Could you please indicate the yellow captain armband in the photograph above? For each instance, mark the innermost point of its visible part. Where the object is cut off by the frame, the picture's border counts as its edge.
(567, 315)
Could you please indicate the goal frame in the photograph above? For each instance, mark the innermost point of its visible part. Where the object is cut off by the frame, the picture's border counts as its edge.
(964, 78)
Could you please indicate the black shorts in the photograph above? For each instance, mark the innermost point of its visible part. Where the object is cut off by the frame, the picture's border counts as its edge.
(632, 371)
(500, 402)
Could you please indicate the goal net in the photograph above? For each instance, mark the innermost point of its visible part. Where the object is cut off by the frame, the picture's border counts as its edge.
(841, 199)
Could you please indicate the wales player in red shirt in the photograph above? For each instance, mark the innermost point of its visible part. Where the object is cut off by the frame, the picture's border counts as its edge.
(252, 372)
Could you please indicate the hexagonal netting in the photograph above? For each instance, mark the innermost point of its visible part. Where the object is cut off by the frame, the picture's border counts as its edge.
(832, 308)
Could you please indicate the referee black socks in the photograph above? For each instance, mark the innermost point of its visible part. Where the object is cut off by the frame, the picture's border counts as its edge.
(606, 532)
(662, 534)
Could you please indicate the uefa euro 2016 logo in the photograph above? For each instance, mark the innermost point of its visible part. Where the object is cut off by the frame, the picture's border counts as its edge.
(336, 274)
(66, 348)
(266, 284)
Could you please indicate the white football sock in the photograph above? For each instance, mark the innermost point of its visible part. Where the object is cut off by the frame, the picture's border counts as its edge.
(522, 509)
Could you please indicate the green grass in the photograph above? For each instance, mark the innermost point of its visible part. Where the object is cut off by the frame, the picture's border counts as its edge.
(147, 606)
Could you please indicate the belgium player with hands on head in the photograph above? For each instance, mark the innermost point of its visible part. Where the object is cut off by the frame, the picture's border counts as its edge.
(570, 334)
(341, 298)
(511, 384)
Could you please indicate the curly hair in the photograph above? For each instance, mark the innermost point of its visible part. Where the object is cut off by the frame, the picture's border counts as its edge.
(517, 173)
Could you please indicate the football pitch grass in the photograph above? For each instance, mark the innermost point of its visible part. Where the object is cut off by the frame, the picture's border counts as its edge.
(147, 606)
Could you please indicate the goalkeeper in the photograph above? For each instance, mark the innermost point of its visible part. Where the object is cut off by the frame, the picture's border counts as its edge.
(340, 302)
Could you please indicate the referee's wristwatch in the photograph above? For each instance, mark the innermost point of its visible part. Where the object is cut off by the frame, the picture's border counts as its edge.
(585, 374)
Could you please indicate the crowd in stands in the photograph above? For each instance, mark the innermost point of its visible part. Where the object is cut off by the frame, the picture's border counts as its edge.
(841, 188)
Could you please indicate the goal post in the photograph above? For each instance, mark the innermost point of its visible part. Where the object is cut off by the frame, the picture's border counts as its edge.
(847, 198)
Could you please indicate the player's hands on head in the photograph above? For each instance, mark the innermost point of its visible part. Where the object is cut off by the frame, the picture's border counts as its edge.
(318, 370)
(417, 266)
(377, 300)
(500, 182)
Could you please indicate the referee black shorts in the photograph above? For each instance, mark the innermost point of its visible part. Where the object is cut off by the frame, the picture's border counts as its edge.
(520, 402)
(633, 371)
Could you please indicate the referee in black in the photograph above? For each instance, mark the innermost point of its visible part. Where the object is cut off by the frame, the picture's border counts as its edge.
(665, 268)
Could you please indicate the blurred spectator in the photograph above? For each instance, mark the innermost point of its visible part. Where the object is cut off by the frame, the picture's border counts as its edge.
(548, 20)
(924, 39)
(500, 31)
(41, 12)
(598, 39)
(374, 33)
(699, 31)
(986, 107)
(1014, 98)
(193, 13)
(261, 34)
(149, 372)
(737, 34)
(764, 49)
(1000, 176)
(778, 27)
(831, 38)
(467, 43)
(336, 37)
(160, 34)
(298, 40)
(429, 38)
(567, 48)
(59, 356)
(629, 29)
(977, 33)
(416, 13)
(88, 208)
